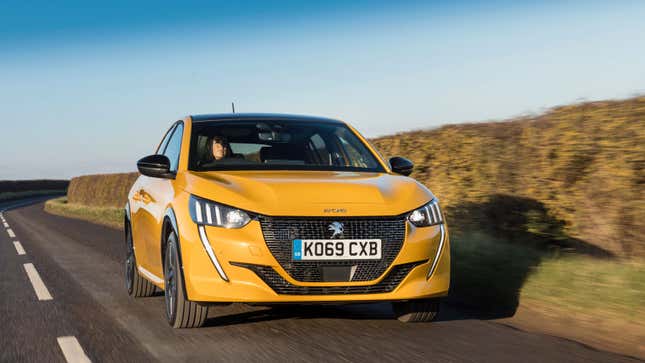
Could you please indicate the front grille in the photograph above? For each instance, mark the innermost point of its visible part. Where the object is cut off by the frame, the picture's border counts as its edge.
(283, 287)
(279, 232)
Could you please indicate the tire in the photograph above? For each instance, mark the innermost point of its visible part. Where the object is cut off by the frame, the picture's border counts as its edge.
(180, 312)
(136, 285)
(416, 311)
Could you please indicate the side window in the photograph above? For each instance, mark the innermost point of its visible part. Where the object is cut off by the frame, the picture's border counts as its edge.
(164, 141)
(318, 149)
(355, 151)
(356, 158)
(174, 147)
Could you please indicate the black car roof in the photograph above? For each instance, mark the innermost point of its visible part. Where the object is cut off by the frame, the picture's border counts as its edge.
(259, 116)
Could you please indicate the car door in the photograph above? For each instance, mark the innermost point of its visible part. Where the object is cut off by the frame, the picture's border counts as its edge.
(157, 193)
(139, 214)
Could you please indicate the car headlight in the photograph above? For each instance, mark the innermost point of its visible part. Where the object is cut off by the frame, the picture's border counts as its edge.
(428, 215)
(209, 213)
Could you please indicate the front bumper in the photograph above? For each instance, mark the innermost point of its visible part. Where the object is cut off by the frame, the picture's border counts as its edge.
(246, 262)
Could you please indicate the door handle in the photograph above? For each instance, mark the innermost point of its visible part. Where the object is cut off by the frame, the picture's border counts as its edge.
(145, 197)
(142, 196)
(136, 196)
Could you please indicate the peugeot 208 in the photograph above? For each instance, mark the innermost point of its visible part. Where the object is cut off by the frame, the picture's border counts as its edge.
(268, 209)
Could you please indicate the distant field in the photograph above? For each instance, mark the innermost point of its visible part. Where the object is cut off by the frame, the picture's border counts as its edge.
(30, 185)
(31, 193)
(16, 189)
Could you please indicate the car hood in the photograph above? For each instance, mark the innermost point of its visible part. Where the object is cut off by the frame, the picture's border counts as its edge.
(310, 193)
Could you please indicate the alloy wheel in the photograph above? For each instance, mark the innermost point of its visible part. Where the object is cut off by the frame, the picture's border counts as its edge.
(170, 277)
(129, 263)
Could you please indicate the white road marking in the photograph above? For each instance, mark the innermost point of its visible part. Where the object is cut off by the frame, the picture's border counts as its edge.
(6, 225)
(72, 350)
(39, 286)
(11, 234)
(19, 249)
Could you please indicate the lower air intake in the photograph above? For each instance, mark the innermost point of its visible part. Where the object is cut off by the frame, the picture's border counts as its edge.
(283, 287)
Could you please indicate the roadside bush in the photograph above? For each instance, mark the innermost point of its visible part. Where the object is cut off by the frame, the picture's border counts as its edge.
(101, 190)
(584, 164)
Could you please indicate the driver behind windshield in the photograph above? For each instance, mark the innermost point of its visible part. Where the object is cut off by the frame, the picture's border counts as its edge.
(217, 151)
(218, 146)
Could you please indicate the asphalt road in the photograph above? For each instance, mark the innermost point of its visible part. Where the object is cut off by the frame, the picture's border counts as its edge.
(82, 311)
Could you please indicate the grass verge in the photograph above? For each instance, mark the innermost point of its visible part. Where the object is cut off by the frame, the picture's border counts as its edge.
(496, 274)
(107, 216)
(597, 288)
(595, 300)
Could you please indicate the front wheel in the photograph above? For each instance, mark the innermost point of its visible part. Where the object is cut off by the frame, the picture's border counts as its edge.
(136, 285)
(180, 312)
(416, 311)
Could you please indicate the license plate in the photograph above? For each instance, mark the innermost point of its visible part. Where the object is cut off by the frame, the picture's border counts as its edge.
(336, 249)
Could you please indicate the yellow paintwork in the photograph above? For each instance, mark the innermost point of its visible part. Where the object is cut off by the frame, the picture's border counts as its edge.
(277, 193)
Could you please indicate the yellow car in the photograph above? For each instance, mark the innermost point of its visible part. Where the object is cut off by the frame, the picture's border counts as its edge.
(270, 209)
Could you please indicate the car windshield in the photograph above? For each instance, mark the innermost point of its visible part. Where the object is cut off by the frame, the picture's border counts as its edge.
(278, 145)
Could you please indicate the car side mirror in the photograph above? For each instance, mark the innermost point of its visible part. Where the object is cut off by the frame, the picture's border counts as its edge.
(401, 165)
(156, 166)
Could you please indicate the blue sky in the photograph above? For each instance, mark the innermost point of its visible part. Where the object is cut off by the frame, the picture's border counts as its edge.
(90, 88)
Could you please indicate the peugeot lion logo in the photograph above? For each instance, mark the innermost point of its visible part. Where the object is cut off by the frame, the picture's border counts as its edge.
(337, 229)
